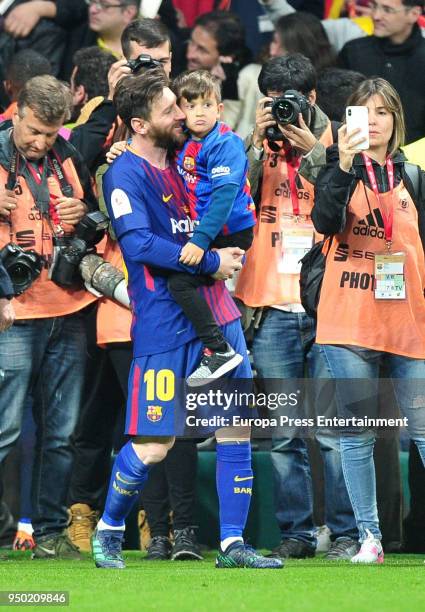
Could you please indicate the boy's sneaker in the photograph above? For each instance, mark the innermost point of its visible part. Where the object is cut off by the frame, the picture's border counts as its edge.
(106, 545)
(186, 547)
(214, 365)
(370, 551)
(239, 554)
(81, 527)
(342, 549)
(56, 546)
(159, 549)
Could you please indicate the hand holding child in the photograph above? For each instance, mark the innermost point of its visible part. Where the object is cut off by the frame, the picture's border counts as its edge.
(191, 254)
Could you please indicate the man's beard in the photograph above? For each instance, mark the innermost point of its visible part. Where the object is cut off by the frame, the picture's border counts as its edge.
(166, 140)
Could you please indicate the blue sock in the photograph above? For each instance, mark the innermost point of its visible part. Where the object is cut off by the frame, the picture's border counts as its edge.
(129, 474)
(234, 487)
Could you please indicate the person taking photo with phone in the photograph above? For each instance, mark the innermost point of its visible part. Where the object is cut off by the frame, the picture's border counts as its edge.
(371, 313)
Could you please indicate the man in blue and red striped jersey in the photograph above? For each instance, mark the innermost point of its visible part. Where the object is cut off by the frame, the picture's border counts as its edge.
(147, 204)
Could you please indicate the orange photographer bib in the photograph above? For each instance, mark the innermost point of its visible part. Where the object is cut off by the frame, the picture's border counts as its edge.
(30, 231)
(283, 233)
(113, 320)
(349, 312)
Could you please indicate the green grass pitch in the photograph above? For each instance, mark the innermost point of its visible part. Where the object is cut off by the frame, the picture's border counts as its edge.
(305, 585)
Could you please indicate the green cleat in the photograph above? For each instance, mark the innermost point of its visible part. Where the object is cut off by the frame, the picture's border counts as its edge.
(239, 554)
(106, 545)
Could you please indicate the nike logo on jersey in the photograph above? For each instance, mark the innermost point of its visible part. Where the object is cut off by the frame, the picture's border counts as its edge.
(242, 478)
(166, 198)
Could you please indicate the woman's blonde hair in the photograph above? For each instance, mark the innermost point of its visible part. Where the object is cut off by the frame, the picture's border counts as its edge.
(392, 103)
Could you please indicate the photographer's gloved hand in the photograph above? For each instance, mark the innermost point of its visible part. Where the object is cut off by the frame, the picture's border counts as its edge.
(301, 138)
(71, 210)
(263, 120)
(8, 201)
(7, 314)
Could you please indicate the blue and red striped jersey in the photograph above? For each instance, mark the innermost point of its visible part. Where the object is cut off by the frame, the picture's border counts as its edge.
(150, 215)
(217, 159)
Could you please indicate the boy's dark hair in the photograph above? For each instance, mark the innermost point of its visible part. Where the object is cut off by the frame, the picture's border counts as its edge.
(288, 72)
(93, 64)
(147, 32)
(135, 94)
(196, 84)
(25, 65)
(334, 87)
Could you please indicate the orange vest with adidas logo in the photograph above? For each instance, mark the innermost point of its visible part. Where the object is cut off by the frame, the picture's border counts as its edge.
(348, 312)
(260, 283)
(30, 231)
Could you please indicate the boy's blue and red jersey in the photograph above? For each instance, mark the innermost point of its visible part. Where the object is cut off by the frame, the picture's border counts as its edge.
(151, 205)
(216, 160)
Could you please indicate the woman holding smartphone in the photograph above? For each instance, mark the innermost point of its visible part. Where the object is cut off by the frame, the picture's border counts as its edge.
(371, 313)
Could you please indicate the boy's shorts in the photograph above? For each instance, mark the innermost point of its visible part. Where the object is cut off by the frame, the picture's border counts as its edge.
(156, 404)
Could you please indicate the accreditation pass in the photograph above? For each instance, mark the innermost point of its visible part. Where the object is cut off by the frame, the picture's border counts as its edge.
(390, 281)
(297, 241)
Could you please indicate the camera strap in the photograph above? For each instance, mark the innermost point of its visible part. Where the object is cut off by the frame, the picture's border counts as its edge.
(293, 163)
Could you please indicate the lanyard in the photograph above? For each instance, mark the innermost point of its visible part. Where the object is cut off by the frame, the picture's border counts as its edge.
(293, 163)
(388, 217)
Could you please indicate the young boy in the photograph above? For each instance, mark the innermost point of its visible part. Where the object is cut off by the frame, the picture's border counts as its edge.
(214, 166)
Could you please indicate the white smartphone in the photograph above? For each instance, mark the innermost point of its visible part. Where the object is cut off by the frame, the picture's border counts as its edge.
(357, 117)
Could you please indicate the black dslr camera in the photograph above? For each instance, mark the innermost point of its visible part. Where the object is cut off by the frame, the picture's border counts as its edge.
(144, 61)
(285, 109)
(69, 251)
(22, 266)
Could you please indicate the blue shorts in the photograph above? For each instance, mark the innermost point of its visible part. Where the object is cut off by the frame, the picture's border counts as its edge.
(156, 404)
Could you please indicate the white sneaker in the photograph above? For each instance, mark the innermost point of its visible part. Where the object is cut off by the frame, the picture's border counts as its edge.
(370, 551)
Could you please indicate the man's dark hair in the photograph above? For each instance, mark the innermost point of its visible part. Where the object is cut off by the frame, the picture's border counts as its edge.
(288, 72)
(93, 64)
(228, 32)
(135, 94)
(334, 87)
(147, 32)
(25, 65)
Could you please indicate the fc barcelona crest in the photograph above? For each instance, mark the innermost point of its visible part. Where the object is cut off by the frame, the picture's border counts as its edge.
(188, 163)
(154, 413)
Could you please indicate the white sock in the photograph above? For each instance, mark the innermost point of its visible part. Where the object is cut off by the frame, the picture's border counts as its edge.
(26, 527)
(102, 525)
(227, 541)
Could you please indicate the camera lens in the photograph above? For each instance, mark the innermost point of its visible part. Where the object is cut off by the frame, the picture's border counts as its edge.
(21, 276)
(284, 112)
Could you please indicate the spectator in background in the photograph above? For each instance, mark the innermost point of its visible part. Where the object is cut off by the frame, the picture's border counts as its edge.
(89, 81)
(334, 87)
(217, 44)
(303, 33)
(108, 18)
(24, 65)
(396, 52)
(339, 31)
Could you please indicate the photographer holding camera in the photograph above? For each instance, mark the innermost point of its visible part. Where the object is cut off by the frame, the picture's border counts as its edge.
(48, 221)
(286, 151)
